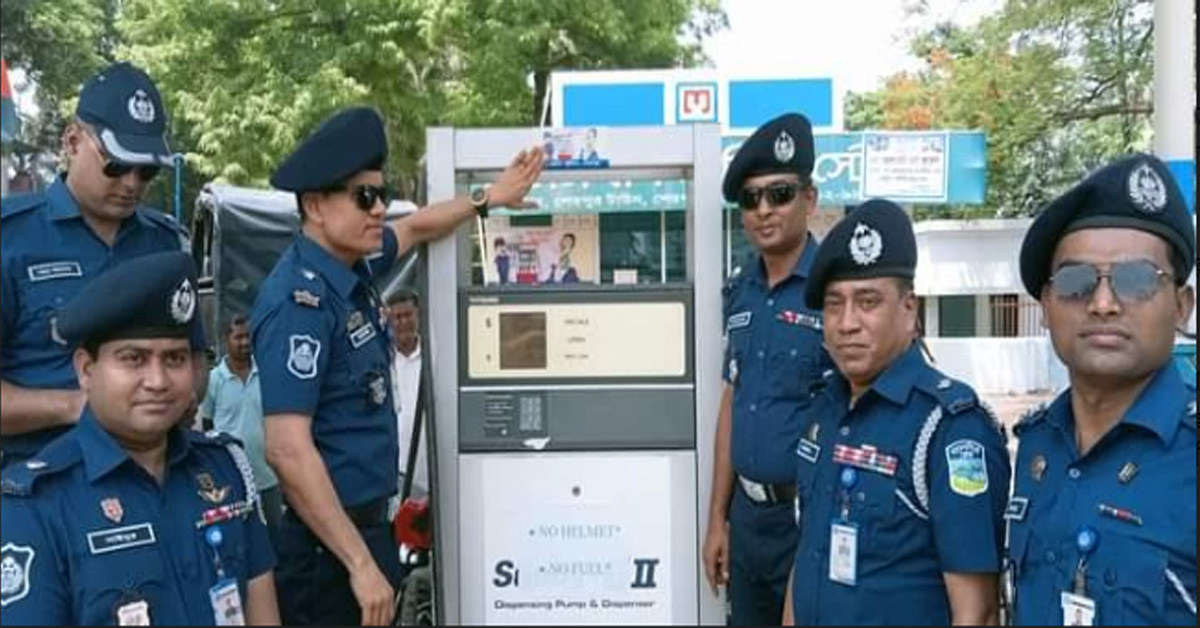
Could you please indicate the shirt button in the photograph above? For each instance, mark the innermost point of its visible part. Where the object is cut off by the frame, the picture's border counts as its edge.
(1075, 474)
(1051, 557)
(845, 431)
(770, 302)
(762, 355)
(754, 407)
(861, 497)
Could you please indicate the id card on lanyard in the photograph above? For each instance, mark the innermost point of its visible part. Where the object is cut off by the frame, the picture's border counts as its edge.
(843, 538)
(225, 597)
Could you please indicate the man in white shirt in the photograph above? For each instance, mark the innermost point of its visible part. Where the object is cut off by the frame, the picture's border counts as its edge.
(405, 309)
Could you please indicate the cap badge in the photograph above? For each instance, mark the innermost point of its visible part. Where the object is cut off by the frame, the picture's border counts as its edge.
(866, 246)
(141, 108)
(1147, 190)
(785, 148)
(183, 303)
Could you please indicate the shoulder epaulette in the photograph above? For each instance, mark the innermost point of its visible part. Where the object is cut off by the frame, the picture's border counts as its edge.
(1032, 417)
(21, 480)
(16, 205)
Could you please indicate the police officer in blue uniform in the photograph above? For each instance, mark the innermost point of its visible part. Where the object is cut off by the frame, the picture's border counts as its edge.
(773, 355)
(55, 242)
(129, 519)
(321, 342)
(903, 473)
(1102, 522)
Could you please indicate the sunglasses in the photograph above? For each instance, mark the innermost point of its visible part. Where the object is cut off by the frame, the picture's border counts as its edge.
(114, 169)
(1131, 282)
(778, 194)
(367, 196)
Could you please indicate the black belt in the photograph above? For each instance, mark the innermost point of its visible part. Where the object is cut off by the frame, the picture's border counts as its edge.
(370, 514)
(767, 494)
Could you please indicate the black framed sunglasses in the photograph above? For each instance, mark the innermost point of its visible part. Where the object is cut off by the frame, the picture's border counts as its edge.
(777, 194)
(114, 169)
(367, 196)
(1132, 282)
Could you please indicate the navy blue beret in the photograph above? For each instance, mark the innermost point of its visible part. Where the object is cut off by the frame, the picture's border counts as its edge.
(124, 106)
(351, 141)
(875, 240)
(782, 146)
(1134, 192)
(153, 296)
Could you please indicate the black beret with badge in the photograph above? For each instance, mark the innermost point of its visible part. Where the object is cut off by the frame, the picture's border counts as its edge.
(126, 110)
(153, 296)
(781, 146)
(1134, 192)
(349, 142)
(875, 240)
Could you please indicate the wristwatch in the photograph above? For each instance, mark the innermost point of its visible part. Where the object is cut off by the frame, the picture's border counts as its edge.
(479, 200)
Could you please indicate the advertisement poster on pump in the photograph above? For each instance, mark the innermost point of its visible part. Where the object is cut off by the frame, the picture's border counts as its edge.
(567, 252)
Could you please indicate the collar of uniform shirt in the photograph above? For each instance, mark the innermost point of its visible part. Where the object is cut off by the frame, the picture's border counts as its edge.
(63, 206)
(897, 381)
(803, 265)
(102, 455)
(1157, 410)
(341, 277)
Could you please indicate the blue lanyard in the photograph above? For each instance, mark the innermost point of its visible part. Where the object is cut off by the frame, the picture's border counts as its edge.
(849, 478)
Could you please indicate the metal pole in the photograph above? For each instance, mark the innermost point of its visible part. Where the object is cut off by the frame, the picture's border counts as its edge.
(178, 170)
(1175, 90)
(1175, 95)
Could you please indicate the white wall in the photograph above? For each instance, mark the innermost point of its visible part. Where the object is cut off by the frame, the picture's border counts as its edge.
(1001, 365)
(969, 257)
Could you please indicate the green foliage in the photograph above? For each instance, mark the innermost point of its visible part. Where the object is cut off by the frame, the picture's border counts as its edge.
(1059, 86)
(245, 80)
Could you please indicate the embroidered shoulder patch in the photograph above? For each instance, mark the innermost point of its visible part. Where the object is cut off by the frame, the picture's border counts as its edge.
(967, 460)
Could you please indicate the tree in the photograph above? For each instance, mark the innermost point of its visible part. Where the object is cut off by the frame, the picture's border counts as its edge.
(1059, 86)
(246, 79)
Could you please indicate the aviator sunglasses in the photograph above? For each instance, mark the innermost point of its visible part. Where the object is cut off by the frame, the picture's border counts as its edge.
(778, 194)
(114, 169)
(1131, 282)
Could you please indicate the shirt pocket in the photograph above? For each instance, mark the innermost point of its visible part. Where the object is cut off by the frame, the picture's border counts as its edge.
(874, 503)
(793, 362)
(43, 301)
(1134, 580)
(112, 581)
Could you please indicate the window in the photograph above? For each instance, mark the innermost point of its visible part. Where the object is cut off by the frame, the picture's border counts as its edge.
(956, 317)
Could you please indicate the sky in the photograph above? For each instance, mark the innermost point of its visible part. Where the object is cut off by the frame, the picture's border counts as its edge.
(856, 42)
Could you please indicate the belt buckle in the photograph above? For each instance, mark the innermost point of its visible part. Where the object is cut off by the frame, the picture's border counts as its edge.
(755, 491)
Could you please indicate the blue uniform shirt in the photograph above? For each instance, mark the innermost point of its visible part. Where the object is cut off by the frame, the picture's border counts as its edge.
(323, 349)
(932, 478)
(1143, 568)
(773, 354)
(47, 254)
(86, 531)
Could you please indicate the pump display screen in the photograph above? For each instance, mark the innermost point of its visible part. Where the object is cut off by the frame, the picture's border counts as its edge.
(576, 340)
(522, 340)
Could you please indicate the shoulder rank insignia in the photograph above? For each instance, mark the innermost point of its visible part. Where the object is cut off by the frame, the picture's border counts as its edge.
(306, 298)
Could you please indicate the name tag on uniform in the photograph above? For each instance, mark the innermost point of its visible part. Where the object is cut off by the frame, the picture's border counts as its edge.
(738, 321)
(109, 541)
(1018, 507)
(843, 554)
(54, 270)
(808, 450)
(1078, 610)
(362, 335)
(227, 603)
